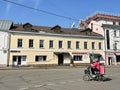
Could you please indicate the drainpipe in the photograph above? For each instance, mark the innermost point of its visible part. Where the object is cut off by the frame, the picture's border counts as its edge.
(8, 42)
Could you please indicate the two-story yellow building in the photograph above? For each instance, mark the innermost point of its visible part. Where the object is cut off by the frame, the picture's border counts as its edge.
(36, 45)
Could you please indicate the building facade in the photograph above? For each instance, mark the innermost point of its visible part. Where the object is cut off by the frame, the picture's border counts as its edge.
(4, 41)
(112, 37)
(108, 26)
(38, 45)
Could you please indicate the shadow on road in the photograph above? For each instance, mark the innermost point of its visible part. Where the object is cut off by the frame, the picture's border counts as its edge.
(107, 79)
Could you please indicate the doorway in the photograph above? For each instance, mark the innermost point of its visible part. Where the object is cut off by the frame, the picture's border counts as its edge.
(19, 60)
(110, 61)
(60, 59)
(118, 58)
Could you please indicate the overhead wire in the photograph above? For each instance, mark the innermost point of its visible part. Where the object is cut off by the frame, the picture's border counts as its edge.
(43, 11)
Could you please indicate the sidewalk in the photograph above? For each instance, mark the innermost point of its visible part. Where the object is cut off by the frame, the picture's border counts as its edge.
(51, 67)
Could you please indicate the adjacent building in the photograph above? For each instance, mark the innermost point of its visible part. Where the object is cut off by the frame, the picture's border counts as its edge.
(5, 25)
(40, 45)
(109, 27)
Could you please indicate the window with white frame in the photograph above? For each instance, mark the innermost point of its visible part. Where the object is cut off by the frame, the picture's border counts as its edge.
(85, 45)
(77, 44)
(69, 44)
(41, 43)
(93, 45)
(19, 42)
(51, 44)
(30, 43)
(115, 46)
(100, 45)
(119, 33)
(60, 44)
(115, 33)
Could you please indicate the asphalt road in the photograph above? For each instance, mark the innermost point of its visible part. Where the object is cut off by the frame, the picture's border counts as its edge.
(56, 79)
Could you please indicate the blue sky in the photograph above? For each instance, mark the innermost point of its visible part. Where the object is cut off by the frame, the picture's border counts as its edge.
(77, 9)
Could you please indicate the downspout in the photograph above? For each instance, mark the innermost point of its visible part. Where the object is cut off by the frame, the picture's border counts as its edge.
(9, 42)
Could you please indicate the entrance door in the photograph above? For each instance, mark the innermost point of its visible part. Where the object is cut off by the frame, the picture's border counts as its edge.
(60, 59)
(19, 60)
(118, 58)
(109, 60)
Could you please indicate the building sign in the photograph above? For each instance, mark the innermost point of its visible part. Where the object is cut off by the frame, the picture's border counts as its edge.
(79, 53)
(15, 51)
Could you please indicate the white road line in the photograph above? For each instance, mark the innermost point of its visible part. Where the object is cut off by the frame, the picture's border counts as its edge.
(24, 88)
(37, 86)
(51, 84)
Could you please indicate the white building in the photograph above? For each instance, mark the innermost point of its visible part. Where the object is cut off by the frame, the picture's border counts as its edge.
(109, 27)
(4, 41)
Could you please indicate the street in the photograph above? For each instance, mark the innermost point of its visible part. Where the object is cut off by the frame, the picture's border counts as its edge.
(56, 79)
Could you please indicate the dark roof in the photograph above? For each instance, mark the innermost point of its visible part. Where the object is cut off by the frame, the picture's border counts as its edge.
(46, 29)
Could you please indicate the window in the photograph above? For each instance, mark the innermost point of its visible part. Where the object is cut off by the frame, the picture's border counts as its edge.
(40, 58)
(19, 43)
(115, 34)
(85, 45)
(100, 45)
(77, 44)
(51, 44)
(77, 58)
(30, 43)
(118, 23)
(114, 23)
(41, 43)
(108, 39)
(115, 46)
(119, 33)
(69, 44)
(60, 44)
(93, 45)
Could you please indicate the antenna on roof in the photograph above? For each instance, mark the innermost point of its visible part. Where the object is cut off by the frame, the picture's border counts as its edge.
(73, 25)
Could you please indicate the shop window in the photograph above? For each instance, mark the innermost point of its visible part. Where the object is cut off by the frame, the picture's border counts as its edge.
(40, 58)
(77, 58)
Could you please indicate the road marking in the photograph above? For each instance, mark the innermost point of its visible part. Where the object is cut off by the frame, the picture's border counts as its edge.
(51, 84)
(24, 88)
(37, 86)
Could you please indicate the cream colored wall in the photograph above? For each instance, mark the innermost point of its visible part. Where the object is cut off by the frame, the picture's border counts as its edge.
(51, 57)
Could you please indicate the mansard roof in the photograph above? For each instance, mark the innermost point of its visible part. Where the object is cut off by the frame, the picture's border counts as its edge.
(46, 29)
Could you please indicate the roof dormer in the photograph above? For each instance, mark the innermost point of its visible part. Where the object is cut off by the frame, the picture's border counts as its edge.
(56, 29)
(27, 26)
